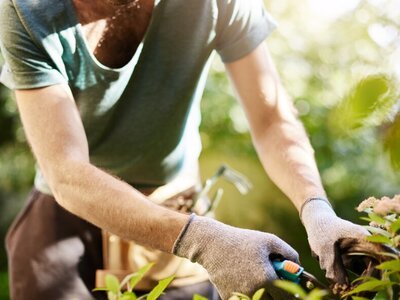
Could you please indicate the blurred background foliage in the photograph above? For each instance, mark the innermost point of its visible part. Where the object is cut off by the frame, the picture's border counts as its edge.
(340, 62)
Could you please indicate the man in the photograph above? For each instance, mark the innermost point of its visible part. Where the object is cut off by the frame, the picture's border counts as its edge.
(108, 93)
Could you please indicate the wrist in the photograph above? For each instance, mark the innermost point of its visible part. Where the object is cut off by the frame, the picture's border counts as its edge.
(166, 226)
(314, 199)
(182, 233)
(315, 207)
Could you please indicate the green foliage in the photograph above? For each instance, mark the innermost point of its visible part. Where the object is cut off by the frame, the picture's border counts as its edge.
(258, 295)
(292, 288)
(4, 285)
(199, 297)
(370, 285)
(161, 286)
(369, 103)
(384, 218)
(316, 294)
(124, 290)
(132, 280)
(378, 239)
(391, 142)
(239, 296)
(112, 284)
(296, 290)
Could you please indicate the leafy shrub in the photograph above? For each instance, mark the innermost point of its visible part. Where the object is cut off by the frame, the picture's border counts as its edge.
(384, 219)
(124, 290)
(384, 226)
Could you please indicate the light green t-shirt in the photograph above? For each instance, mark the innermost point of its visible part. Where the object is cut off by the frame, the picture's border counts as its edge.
(141, 120)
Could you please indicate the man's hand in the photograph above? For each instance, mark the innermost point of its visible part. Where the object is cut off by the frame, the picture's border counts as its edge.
(237, 260)
(325, 233)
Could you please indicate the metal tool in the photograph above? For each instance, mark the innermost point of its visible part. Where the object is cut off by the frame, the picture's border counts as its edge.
(225, 172)
(292, 271)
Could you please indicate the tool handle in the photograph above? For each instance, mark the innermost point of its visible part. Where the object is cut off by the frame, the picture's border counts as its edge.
(287, 269)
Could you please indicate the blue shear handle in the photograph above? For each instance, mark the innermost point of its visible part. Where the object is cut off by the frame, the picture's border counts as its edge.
(279, 267)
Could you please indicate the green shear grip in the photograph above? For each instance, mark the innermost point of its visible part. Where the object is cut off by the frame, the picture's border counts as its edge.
(283, 272)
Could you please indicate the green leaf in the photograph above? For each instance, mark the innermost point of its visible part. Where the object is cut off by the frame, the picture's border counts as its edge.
(391, 218)
(234, 297)
(128, 296)
(159, 289)
(142, 297)
(391, 142)
(199, 297)
(112, 296)
(366, 219)
(379, 239)
(377, 230)
(369, 103)
(112, 284)
(371, 285)
(317, 294)
(395, 227)
(258, 295)
(392, 265)
(377, 219)
(381, 295)
(363, 278)
(358, 298)
(100, 290)
(135, 278)
(290, 287)
(240, 296)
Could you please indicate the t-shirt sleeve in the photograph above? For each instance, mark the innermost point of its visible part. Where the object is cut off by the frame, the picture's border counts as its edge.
(242, 26)
(26, 63)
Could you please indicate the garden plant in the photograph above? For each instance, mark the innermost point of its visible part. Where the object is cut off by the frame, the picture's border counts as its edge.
(380, 277)
(123, 290)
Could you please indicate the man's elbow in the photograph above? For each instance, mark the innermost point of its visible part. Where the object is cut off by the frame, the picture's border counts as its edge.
(64, 179)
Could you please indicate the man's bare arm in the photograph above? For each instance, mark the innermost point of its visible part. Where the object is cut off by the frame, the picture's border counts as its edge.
(55, 131)
(279, 137)
(286, 153)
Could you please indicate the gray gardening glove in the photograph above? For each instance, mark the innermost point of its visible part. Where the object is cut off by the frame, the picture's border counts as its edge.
(328, 236)
(237, 260)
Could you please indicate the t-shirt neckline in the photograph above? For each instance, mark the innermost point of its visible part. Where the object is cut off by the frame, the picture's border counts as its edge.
(73, 18)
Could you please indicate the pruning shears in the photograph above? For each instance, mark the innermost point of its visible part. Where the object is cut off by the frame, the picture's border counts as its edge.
(292, 271)
(225, 172)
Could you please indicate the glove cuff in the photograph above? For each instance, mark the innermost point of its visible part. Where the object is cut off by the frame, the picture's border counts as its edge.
(317, 205)
(182, 233)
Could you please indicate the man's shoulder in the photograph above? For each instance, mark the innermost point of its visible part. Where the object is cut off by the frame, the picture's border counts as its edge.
(34, 14)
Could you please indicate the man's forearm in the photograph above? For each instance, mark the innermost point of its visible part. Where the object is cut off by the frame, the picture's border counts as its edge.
(287, 156)
(281, 141)
(113, 205)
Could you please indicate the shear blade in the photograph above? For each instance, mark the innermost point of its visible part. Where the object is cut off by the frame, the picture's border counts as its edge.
(311, 278)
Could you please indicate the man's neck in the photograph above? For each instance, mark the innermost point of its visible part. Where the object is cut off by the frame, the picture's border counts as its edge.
(113, 32)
